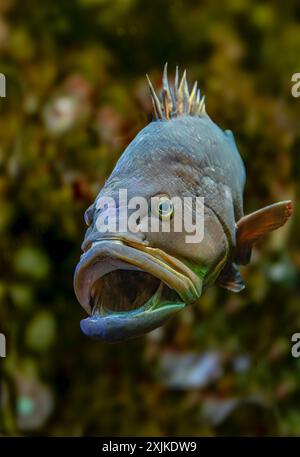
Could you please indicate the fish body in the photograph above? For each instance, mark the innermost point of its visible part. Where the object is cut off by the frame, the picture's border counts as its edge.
(132, 281)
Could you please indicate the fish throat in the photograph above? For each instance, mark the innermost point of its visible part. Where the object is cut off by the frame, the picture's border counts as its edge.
(126, 290)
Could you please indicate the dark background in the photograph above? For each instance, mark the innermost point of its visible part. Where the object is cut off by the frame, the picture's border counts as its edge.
(76, 95)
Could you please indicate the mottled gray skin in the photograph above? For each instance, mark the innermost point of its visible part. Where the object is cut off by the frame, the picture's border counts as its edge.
(184, 156)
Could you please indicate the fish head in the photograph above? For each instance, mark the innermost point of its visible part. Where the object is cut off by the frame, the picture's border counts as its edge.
(133, 276)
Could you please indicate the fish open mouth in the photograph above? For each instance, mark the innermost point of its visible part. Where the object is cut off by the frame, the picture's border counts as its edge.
(129, 288)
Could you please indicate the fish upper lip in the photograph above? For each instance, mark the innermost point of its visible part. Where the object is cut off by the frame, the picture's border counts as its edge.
(113, 253)
(87, 244)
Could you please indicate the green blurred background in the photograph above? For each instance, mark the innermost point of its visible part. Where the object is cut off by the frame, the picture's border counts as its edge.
(76, 95)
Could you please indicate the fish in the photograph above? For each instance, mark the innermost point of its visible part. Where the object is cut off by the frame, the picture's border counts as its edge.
(131, 281)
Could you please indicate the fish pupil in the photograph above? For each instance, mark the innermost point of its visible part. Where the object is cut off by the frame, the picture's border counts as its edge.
(165, 208)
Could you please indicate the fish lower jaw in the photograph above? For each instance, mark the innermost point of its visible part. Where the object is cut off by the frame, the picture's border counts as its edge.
(115, 327)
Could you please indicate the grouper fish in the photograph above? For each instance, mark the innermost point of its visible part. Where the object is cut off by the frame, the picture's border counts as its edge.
(131, 282)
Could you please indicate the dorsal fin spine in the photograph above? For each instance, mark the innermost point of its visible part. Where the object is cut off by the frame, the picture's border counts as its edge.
(177, 100)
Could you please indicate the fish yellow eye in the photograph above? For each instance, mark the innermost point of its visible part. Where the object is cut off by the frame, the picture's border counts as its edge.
(165, 208)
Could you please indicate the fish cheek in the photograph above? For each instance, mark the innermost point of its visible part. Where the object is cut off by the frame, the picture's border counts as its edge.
(212, 249)
(172, 242)
(207, 252)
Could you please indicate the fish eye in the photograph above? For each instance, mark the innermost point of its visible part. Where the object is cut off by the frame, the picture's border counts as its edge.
(165, 208)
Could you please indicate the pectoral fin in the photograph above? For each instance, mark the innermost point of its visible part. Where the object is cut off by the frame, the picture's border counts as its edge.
(230, 278)
(253, 226)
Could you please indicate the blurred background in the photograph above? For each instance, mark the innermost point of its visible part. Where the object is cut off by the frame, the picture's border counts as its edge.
(76, 95)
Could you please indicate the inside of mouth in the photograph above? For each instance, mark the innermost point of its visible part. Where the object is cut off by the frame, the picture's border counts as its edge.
(128, 290)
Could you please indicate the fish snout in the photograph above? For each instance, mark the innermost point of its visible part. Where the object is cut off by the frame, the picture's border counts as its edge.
(113, 223)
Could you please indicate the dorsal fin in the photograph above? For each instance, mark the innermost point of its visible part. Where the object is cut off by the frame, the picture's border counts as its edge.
(176, 100)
